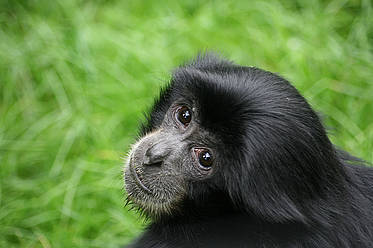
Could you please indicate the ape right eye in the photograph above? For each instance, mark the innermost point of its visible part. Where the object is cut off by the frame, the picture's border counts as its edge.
(184, 115)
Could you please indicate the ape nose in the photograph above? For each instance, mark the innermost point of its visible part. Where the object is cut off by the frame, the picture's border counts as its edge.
(155, 155)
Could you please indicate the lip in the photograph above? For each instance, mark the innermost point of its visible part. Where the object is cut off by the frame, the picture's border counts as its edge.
(137, 179)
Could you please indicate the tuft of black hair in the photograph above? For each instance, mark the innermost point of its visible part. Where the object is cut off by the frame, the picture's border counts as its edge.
(282, 183)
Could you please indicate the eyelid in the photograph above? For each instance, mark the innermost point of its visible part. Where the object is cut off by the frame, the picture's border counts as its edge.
(198, 150)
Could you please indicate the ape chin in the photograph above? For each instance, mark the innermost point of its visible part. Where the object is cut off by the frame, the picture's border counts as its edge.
(234, 156)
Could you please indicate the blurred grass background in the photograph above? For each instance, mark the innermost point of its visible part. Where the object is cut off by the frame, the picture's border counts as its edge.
(76, 75)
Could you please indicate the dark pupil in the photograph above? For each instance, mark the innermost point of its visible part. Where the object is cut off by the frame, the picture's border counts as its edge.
(205, 159)
(184, 116)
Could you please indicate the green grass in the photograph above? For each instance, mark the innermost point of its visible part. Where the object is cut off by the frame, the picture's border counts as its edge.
(75, 77)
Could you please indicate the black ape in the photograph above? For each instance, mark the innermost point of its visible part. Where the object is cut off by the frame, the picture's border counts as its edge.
(234, 156)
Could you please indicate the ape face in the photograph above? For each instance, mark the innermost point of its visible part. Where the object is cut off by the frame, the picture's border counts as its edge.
(163, 162)
(219, 130)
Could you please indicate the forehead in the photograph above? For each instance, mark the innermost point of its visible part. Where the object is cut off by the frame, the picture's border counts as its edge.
(225, 97)
(220, 100)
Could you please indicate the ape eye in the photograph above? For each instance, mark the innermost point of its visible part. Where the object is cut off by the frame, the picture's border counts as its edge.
(184, 115)
(204, 158)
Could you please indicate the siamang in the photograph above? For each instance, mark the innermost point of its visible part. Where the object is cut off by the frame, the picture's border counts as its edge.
(234, 156)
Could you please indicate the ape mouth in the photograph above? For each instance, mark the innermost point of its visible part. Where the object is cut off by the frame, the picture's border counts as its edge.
(137, 178)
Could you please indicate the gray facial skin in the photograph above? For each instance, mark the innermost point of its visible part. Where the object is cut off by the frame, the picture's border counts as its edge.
(162, 164)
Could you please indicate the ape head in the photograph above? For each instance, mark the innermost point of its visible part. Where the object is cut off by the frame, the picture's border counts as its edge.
(228, 137)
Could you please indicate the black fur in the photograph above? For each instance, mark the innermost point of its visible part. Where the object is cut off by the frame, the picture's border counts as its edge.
(282, 183)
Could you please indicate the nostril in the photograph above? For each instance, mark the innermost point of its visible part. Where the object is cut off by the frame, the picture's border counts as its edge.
(152, 159)
(155, 155)
(155, 164)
